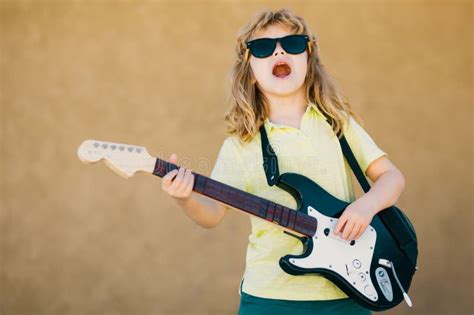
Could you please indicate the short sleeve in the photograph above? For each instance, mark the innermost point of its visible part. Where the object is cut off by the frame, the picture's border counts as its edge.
(362, 145)
(229, 168)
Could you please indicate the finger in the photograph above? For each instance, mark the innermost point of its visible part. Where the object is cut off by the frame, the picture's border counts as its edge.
(189, 188)
(170, 174)
(177, 181)
(354, 232)
(184, 190)
(340, 223)
(166, 180)
(347, 229)
(173, 158)
(182, 187)
(361, 231)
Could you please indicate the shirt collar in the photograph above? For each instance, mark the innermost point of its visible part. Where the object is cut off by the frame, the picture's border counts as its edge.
(311, 107)
(314, 107)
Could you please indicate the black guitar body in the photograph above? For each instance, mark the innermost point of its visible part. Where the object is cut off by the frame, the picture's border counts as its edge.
(308, 195)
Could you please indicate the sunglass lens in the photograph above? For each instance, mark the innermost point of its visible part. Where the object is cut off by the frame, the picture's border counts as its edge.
(294, 44)
(263, 47)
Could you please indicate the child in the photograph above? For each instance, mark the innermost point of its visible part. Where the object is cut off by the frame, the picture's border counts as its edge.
(283, 86)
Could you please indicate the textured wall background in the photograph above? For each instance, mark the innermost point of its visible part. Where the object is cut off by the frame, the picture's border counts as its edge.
(78, 239)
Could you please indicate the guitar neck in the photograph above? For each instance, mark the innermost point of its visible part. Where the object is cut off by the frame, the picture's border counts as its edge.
(242, 200)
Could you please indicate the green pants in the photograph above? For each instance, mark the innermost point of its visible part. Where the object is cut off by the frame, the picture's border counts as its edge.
(252, 305)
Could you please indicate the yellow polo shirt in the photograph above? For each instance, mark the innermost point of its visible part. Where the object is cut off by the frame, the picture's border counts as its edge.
(313, 151)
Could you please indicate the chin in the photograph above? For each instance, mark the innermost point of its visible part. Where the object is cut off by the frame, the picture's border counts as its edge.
(282, 92)
(280, 87)
(284, 88)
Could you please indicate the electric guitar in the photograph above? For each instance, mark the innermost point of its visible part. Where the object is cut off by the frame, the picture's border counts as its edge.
(364, 268)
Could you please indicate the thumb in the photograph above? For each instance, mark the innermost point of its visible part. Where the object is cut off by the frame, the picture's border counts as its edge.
(173, 158)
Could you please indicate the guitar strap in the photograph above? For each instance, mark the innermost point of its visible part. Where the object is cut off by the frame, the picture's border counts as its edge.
(270, 160)
(393, 218)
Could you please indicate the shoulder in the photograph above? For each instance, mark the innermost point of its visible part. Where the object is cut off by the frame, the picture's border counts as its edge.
(231, 148)
(354, 126)
(233, 142)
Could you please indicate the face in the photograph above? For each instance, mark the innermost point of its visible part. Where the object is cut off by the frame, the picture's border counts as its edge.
(269, 79)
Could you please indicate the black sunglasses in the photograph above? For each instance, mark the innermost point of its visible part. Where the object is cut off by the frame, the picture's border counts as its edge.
(264, 47)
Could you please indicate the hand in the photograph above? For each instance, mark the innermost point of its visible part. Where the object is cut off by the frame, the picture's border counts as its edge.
(355, 218)
(182, 186)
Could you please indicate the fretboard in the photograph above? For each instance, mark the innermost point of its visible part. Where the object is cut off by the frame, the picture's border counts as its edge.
(242, 200)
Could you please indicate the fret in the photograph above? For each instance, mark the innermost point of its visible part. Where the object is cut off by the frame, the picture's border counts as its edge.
(238, 198)
(263, 208)
(231, 196)
(271, 211)
(256, 203)
(217, 190)
(282, 217)
(162, 167)
(299, 222)
(249, 206)
(159, 169)
(196, 183)
(308, 225)
(204, 184)
(199, 183)
(288, 216)
(285, 217)
(226, 193)
(278, 211)
(246, 202)
(204, 189)
(292, 219)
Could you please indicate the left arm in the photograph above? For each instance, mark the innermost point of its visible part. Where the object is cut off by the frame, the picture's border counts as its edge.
(388, 185)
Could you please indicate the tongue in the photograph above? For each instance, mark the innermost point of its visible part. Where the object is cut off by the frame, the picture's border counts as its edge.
(281, 71)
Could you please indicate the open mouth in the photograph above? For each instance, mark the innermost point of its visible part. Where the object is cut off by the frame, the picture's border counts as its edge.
(281, 70)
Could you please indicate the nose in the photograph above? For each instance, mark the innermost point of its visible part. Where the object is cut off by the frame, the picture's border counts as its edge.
(278, 49)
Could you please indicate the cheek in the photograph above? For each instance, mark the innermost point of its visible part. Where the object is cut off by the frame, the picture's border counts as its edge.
(301, 66)
(301, 62)
(302, 69)
(258, 70)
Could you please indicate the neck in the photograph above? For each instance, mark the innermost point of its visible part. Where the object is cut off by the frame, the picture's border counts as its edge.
(287, 109)
(287, 218)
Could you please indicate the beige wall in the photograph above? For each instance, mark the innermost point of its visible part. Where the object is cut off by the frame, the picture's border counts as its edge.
(78, 239)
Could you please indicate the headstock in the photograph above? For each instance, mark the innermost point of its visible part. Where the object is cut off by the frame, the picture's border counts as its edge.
(124, 159)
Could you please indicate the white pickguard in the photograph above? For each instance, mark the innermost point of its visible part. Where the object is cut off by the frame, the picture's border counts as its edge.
(352, 262)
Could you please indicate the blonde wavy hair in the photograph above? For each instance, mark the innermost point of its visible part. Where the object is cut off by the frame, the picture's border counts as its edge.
(248, 107)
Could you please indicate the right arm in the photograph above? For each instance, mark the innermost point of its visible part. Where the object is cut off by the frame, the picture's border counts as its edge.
(206, 212)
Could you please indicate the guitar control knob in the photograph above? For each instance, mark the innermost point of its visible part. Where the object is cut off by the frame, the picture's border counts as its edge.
(356, 263)
(362, 276)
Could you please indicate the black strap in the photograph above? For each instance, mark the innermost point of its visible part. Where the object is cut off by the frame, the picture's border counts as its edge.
(346, 149)
(270, 160)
